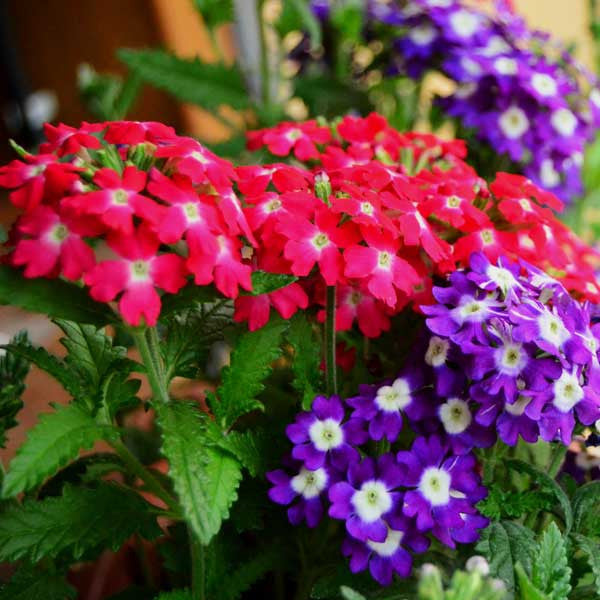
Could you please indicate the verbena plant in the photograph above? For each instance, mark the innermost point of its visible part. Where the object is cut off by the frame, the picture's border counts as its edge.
(412, 350)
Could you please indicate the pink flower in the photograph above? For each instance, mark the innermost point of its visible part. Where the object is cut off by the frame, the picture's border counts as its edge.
(319, 242)
(254, 180)
(117, 200)
(64, 139)
(137, 132)
(364, 206)
(354, 305)
(379, 265)
(137, 273)
(55, 246)
(299, 137)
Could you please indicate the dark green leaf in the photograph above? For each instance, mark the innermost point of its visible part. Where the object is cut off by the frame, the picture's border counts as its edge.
(175, 595)
(207, 85)
(205, 478)
(548, 484)
(249, 447)
(119, 393)
(244, 575)
(81, 520)
(591, 548)
(52, 297)
(500, 503)
(251, 362)
(265, 283)
(586, 502)
(308, 377)
(29, 584)
(188, 297)
(3, 235)
(55, 440)
(215, 12)
(551, 571)
(527, 591)
(127, 96)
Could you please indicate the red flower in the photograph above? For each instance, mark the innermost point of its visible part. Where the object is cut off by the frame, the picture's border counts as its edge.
(64, 139)
(137, 273)
(137, 132)
(299, 137)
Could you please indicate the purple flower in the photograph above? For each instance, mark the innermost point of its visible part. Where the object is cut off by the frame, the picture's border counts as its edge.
(382, 407)
(445, 487)
(390, 556)
(307, 486)
(321, 437)
(368, 497)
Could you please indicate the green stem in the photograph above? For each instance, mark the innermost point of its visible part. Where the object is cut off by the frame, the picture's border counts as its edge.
(198, 567)
(148, 345)
(330, 366)
(138, 469)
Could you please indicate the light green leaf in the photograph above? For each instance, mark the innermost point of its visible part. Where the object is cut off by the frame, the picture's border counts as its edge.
(249, 447)
(251, 362)
(549, 484)
(265, 283)
(207, 85)
(350, 594)
(52, 297)
(54, 441)
(29, 584)
(308, 378)
(215, 12)
(82, 520)
(175, 595)
(527, 591)
(205, 478)
(551, 571)
(591, 548)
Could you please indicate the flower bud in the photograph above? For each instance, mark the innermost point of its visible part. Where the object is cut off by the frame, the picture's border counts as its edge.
(322, 186)
(478, 564)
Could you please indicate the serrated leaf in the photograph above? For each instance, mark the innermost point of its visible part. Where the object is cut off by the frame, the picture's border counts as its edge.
(308, 377)
(247, 573)
(265, 283)
(119, 393)
(29, 584)
(249, 447)
(527, 591)
(586, 500)
(591, 548)
(205, 478)
(207, 85)
(504, 544)
(55, 440)
(81, 520)
(13, 370)
(188, 297)
(551, 571)
(549, 484)
(251, 362)
(52, 297)
(215, 12)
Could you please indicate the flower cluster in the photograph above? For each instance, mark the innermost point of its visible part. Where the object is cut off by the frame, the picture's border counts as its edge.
(389, 503)
(377, 214)
(130, 208)
(519, 91)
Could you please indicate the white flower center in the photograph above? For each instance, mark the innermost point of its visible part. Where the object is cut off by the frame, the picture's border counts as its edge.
(464, 23)
(384, 260)
(502, 277)
(422, 35)
(549, 176)
(389, 546)
(455, 415)
(496, 45)
(505, 65)
(552, 329)
(567, 392)
(525, 204)
(544, 84)
(564, 122)
(472, 310)
(371, 501)
(435, 486)
(320, 241)
(517, 408)
(395, 397)
(513, 122)
(58, 234)
(366, 208)
(510, 359)
(595, 97)
(487, 236)
(309, 484)
(464, 90)
(200, 157)
(293, 134)
(191, 212)
(437, 352)
(139, 270)
(453, 202)
(326, 435)
(273, 205)
(120, 197)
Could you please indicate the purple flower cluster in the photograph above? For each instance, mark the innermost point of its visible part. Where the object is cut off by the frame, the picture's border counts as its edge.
(514, 352)
(520, 91)
(389, 503)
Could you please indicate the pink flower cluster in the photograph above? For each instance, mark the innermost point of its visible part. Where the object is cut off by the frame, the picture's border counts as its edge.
(135, 211)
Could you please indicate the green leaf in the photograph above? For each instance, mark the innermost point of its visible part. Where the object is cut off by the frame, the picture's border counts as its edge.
(548, 484)
(52, 297)
(55, 440)
(527, 591)
(29, 584)
(205, 478)
(215, 12)
(119, 393)
(207, 85)
(591, 548)
(551, 571)
(350, 594)
(243, 379)
(504, 544)
(308, 378)
(175, 595)
(3, 235)
(127, 96)
(81, 520)
(500, 503)
(265, 283)
(585, 504)
(13, 370)
(250, 448)
(297, 16)
(188, 297)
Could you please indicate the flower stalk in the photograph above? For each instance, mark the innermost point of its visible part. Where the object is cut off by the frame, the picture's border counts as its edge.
(330, 338)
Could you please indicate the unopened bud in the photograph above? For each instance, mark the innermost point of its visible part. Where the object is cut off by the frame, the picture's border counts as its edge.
(498, 585)
(597, 425)
(322, 186)
(478, 564)
(429, 569)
